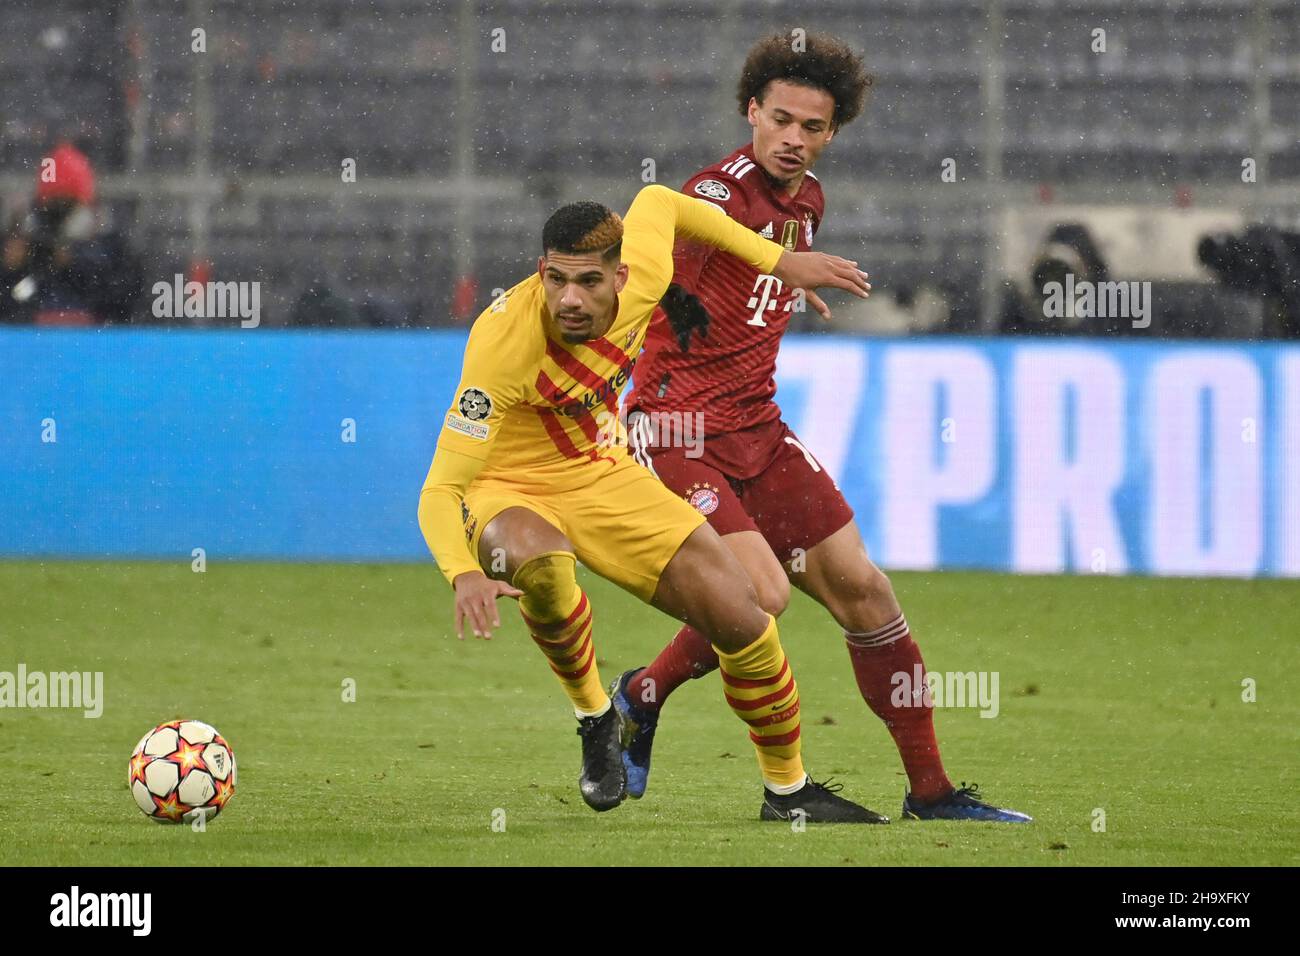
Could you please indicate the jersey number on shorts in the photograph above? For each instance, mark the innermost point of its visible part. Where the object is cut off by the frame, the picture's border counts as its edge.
(812, 462)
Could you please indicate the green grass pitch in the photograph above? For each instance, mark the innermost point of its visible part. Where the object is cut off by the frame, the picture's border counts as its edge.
(1117, 695)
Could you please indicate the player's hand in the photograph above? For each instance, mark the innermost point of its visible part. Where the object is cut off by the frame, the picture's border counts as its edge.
(813, 270)
(476, 599)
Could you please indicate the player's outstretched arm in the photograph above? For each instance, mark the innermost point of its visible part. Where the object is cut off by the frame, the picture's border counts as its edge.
(817, 270)
(490, 384)
(439, 512)
(658, 216)
(444, 489)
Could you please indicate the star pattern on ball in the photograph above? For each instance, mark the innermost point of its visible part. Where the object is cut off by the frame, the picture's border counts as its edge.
(187, 756)
(171, 808)
(138, 763)
(225, 790)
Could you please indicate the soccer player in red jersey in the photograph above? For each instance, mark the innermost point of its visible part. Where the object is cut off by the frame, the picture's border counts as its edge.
(765, 493)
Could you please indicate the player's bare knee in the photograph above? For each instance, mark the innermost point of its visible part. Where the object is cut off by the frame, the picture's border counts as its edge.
(773, 594)
(746, 624)
(863, 600)
(882, 589)
(728, 612)
(867, 584)
(514, 537)
(733, 636)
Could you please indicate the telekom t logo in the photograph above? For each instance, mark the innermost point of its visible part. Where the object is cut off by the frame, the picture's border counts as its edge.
(766, 290)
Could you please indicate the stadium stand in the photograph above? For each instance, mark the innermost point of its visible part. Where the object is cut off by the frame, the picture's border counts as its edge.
(233, 156)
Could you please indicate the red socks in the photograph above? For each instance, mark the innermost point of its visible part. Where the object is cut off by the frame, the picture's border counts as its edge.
(688, 655)
(877, 656)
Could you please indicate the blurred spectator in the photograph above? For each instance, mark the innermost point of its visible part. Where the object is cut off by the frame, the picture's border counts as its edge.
(1263, 262)
(1068, 250)
(15, 286)
(59, 268)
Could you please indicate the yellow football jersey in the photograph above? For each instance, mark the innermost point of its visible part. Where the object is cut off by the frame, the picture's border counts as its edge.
(534, 411)
(529, 405)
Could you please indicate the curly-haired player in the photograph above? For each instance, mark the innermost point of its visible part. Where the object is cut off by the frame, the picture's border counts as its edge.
(760, 488)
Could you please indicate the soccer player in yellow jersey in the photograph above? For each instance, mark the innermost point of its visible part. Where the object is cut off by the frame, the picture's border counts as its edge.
(532, 473)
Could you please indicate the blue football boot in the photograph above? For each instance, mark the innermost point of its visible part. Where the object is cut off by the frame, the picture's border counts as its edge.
(638, 735)
(961, 804)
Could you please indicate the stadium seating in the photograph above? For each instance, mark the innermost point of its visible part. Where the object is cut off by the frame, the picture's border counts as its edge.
(583, 94)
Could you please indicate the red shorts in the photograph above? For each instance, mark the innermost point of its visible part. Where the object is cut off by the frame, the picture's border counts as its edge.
(758, 479)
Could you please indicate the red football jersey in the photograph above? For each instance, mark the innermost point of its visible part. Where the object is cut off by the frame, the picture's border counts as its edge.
(729, 375)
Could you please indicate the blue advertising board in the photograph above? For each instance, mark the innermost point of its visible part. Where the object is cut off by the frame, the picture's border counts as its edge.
(1010, 454)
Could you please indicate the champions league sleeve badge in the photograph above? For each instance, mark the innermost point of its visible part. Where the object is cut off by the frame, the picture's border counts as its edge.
(475, 405)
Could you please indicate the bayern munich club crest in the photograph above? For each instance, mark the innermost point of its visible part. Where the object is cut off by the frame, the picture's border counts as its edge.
(703, 497)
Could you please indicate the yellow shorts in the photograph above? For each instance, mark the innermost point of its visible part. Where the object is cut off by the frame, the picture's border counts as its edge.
(624, 525)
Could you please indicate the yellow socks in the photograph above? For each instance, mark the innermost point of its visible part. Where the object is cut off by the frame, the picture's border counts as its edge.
(559, 619)
(757, 680)
(761, 690)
